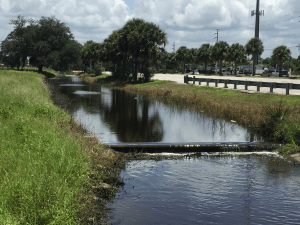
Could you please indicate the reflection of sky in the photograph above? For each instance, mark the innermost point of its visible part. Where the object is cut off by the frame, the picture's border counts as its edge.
(178, 125)
(175, 125)
(95, 125)
(210, 190)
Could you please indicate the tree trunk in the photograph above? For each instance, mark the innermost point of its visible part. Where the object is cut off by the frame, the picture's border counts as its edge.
(280, 70)
(220, 72)
(235, 68)
(40, 68)
(147, 72)
(135, 70)
(253, 64)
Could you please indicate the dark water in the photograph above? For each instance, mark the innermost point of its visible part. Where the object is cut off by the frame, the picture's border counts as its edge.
(116, 116)
(231, 189)
(250, 189)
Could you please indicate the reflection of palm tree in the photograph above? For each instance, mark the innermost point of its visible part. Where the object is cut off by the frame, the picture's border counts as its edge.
(123, 118)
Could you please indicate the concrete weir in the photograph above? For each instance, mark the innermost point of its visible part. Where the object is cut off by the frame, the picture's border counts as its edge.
(157, 147)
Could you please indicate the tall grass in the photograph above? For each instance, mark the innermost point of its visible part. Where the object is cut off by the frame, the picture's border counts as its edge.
(272, 116)
(42, 167)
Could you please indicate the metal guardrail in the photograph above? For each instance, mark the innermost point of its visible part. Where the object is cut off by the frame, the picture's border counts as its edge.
(271, 85)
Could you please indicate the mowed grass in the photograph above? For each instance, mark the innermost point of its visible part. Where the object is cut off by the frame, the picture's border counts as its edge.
(42, 167)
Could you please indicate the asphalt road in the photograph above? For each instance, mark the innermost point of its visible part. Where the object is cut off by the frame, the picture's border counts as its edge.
(178, 78)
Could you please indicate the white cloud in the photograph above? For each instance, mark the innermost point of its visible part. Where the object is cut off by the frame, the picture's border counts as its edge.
(187, 22)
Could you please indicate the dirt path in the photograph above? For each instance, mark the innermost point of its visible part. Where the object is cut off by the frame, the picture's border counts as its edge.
(179, 79)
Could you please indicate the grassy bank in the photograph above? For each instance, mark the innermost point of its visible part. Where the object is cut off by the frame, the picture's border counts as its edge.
(275, 117)
(50, 172)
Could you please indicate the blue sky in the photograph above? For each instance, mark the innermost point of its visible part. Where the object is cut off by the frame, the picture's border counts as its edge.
(130, 3)
(189, 23)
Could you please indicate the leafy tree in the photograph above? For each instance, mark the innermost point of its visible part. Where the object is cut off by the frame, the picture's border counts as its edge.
(133, 47)
(140, 39)
(254, 47)
(204, 55)
(14, 48)
(181, 56)
(219, 52)
(111, 52)
(47, 42)
(192, 57)
(50, 37)
(91, 54)
(280, 55)
(268, 62)
(236, 53)
(172, 62)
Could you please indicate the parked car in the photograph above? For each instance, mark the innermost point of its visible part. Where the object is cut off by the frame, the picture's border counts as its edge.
(226, 72)
(248, 70)
(195, 72)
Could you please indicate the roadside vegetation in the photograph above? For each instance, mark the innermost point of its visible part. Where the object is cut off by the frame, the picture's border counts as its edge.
(51, 171)
(273, 117)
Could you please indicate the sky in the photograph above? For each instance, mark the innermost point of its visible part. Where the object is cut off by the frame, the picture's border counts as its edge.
(189, 23)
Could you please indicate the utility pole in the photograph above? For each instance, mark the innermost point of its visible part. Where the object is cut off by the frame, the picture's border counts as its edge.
(173, 46)
(216, 71)
(217, 35)
(257, 13)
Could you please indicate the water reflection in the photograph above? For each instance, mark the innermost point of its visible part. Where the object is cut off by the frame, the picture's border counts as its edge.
(115, 116)
(209, 190)
(130, 119)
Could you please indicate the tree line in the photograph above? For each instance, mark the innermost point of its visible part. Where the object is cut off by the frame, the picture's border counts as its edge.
(138, 47)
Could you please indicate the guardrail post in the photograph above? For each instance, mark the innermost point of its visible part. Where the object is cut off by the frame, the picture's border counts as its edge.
(187, 79)
(194, 79)
(200, 80)
(208, 80)
(258, 86)
(273, 85)
(246, 85)
(236, 82)
(287, 89)
(225, 84)
(216, 83)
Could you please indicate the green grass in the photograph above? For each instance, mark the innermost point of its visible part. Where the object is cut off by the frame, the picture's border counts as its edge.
(42, 167)
(275, 117)
(103, 76)
(155, 83)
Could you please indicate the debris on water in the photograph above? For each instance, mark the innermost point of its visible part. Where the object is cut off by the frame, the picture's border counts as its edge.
(86, 93)
(72, 85)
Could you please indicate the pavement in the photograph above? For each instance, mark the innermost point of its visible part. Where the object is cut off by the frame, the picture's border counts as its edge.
(178, 78)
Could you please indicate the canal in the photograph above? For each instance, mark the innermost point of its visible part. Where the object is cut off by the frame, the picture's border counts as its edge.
(226, 188)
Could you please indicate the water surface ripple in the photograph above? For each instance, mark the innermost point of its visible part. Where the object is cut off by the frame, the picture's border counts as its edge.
(252, 189)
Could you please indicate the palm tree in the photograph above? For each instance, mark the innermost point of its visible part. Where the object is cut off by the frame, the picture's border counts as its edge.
(280, 55)
(143, 38)
(254, 47)
(181, 56)
(172, 62)
(219, 52)
(204, 55)
(236, 54)
(192, 57)
(90, 53)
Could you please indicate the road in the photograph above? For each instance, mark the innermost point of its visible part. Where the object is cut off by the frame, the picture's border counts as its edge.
(178, 78)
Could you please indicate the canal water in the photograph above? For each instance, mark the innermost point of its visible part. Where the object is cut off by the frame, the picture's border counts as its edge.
(209, 189)
(115, 116)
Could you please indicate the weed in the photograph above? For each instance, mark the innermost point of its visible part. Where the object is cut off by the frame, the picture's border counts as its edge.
(46, 163)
